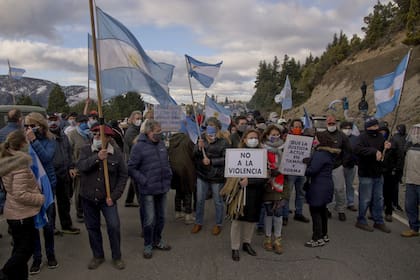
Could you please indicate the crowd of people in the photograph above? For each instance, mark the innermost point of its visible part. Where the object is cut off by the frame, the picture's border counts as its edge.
(79, 158)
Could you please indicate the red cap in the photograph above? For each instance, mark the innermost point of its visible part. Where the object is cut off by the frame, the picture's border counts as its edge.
(108, 130)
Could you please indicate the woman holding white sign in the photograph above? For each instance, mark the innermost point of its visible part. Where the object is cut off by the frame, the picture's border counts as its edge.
(252, 190)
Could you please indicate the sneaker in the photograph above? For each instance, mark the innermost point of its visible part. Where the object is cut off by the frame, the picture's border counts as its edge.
(52, 262)
(382, 227)
(35, 268)
(71, 230)
(364, 226)
(388, 218)
(162, 246)
(409, 233)
(189, 219)
(95, 263)
(312, 243)
(196, 228)
(118, 264)
(352, 208)
(301, 218)
(342, 217)
(147, 252)
(326, 239)
(399, 208)
(216, 230)
(179, 215)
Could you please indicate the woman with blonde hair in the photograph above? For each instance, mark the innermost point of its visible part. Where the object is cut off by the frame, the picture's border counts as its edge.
(23, 202)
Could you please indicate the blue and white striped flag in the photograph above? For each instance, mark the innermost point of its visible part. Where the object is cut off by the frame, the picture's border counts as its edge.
(15, 73)
(286, 95)
(125, 66)
(201, 71)
(212, 109)
(91, 62)
(387, 89)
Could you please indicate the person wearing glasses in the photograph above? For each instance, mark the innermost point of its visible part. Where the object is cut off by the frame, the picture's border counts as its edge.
(93, 194)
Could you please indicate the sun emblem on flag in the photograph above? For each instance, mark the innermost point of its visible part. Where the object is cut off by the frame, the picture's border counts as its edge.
(216, 115)
(134, 60)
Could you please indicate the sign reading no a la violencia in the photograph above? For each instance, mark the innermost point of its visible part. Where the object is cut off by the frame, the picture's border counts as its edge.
(246, 163)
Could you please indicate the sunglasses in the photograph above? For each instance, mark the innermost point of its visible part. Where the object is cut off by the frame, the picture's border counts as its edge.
(331, 123)
(30, 125)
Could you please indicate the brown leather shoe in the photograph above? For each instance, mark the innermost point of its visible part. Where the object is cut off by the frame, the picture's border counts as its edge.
(409, 233)
(216, 230)
(196, 228)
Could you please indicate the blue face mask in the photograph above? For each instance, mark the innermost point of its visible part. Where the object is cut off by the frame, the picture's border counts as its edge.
(83, 126)
(211, 130)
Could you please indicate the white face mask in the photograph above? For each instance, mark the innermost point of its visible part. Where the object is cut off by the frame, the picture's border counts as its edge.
(252, 142)
(332, 128)
(137, 122)
(97, 144)
(346, 131)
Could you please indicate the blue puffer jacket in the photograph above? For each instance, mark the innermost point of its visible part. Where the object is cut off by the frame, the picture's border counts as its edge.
(149, 167)
(321, 188)
(45, 149)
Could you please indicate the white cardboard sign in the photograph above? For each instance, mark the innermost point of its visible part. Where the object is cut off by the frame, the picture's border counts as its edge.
(169, 117)
(296, 149)
(249, 163)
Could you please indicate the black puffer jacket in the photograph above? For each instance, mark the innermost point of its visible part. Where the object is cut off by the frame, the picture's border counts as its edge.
(366, 147)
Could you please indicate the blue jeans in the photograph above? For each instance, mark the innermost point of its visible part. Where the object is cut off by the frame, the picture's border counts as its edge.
(202, 188)
(371, 195)
(92, 213)
(153, 208)
(412, 202)
(349, 174)
(296, 182)
(48, 231)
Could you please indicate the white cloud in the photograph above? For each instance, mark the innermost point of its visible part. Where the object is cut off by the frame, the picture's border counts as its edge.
(36, 34)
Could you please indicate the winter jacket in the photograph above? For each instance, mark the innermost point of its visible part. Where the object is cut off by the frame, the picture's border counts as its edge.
(91, 169)
(23, 198)
(412, 164)
(77, 141)
(270, 194)
(181, 159)
(63, 156)
(368, 143)
(399, 143)
(45, 149)
(131, 133)
(213, 173)
(349, 158)
(11, 126)
(341, 142)
(319, 169)
(149, 167)
(254, 199)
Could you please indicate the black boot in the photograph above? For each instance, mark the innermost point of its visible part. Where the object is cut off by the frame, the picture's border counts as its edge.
(235, 255)
(247, 248)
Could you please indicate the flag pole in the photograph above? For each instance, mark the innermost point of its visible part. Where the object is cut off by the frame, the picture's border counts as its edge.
(10, 77)
(98, 91)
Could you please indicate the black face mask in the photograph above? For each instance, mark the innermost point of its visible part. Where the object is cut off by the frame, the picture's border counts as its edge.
(402, 130)
(372, 132)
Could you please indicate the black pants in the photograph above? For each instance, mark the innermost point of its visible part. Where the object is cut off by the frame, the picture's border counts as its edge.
(23, 234)
(63, 201)
(319, 221)
(183, 199)
(132, 190)
(390, 184)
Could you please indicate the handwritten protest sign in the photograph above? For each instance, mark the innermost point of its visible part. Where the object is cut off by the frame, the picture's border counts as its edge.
(249, 163)
(168, 116)
(296, 149)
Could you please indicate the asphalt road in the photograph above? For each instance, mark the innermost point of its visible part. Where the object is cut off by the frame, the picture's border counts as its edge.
(351, 253)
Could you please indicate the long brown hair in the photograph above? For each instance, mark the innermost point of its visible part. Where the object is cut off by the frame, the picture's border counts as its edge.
(242, 144)
(40, 120)
(14, 141)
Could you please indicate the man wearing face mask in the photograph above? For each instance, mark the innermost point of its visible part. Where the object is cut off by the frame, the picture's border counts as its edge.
(78, 138)
(241, 125)
(296, 128)
(72, 124)
(62, 165)
(149, 168)
(93, 194)
(340, 141)
(133, 130)
(209, 156)
(369, 148)
(349, 164)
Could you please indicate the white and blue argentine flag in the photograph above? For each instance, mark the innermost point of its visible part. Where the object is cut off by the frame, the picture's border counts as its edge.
(125, 66)
(91, 63)
(16, 73)
(286, 95)
(387, 89)
(43, 181)
(202, 72)
(212, 109)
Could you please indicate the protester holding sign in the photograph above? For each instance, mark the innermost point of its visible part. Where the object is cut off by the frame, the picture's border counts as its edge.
(276, 192)
(251, 189)
(321, 188)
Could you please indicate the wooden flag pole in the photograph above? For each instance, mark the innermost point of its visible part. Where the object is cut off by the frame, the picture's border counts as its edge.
(98, 91)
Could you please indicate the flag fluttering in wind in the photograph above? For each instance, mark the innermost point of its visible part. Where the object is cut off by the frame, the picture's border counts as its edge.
(15, 73)
(91, 63)
(286, 95)
(202, 72)
(125, 66)
(387, 89)
(212, 109)
(307, 123)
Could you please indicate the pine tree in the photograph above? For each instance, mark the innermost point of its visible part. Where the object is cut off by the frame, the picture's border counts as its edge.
(57, 101)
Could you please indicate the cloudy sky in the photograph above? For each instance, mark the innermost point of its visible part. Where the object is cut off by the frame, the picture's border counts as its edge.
(48, 38)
